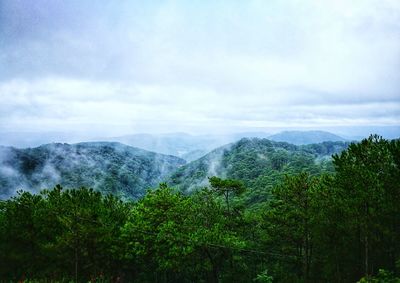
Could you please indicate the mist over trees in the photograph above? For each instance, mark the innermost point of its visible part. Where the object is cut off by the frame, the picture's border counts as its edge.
(108, 167)
(334, 226)
(126, 171)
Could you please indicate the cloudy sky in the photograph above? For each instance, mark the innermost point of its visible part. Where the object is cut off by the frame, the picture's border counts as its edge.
(117, 67)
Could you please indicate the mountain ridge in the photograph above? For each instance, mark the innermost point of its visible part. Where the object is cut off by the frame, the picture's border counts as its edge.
(260, 163)
(109, 167)
(127, 171)
(305, 137)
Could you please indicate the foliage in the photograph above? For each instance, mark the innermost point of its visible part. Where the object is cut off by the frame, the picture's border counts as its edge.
(60, 233)
(263, 277)
(383, 276)
(227, 188)
(314, 226)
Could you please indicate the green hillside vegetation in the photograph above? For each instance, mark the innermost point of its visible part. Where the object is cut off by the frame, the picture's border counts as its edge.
(108, 167)
(259, 163)
(111, 167)
(339, 226)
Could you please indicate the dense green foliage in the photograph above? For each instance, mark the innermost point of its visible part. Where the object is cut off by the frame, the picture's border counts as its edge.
(61, 234)
(341, 225)
(259, 163)
(107, 167)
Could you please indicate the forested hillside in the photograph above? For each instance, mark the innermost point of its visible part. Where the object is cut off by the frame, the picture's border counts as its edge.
(127, 171)
(339, 226)
(108, 167)
(259, 163)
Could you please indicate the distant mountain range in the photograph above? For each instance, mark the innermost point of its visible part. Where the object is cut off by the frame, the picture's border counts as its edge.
(305, 137)
(127, 171)
(182, 145)
(185, 146)
(190, 147)
(109, 167)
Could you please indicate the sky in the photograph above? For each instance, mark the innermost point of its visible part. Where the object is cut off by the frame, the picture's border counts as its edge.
(107, 68)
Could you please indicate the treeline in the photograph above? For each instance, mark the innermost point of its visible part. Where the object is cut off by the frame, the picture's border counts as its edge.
(340, 227)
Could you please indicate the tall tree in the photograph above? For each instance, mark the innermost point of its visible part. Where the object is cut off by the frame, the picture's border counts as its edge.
(368, 177)
(289, 220)
(227, 188)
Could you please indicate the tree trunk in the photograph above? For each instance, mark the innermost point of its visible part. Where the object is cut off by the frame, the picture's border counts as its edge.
(214, 278)
(227, 199)
(366, 256)
(366, 243)
(76, 263)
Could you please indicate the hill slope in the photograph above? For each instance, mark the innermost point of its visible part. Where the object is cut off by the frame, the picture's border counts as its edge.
(258, 162)
(108, 167)
(305, 137)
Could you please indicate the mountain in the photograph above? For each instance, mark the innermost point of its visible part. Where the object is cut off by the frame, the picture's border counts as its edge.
(186, 146)
(183, 145)
(127, 171)
(259, 163)
(108, 167)
(305, 137)
(178, 144)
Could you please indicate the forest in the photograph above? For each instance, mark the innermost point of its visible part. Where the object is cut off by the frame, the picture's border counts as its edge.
(340, 223)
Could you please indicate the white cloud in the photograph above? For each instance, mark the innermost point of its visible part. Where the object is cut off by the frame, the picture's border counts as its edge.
(193, 66)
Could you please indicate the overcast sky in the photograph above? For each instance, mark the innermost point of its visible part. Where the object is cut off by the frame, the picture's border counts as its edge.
(118, 67)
